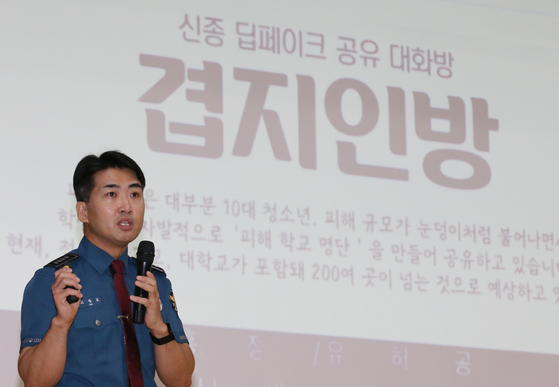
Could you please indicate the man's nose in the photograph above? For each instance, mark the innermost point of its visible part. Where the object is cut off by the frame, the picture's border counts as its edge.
(125, 204)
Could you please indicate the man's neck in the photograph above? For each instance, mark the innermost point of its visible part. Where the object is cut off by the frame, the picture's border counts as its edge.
(114, 251)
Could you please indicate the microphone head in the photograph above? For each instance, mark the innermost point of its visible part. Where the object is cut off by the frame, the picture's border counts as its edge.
(146, 251)
(146, 247)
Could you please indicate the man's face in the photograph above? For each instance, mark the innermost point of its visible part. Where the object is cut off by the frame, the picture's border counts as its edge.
(115, 213)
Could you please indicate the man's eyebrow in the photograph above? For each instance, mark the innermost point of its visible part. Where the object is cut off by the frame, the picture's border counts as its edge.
(113, 185)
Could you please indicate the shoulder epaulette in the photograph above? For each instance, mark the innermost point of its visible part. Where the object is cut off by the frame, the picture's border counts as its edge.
(64, 260)
(157, 268)
(153, 267)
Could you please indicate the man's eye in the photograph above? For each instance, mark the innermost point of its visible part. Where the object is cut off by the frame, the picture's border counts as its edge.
(112, 194)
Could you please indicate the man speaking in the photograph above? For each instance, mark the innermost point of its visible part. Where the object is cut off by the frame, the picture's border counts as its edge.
(76, 321)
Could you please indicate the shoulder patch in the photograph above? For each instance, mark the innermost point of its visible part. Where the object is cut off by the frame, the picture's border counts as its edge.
(61, 261)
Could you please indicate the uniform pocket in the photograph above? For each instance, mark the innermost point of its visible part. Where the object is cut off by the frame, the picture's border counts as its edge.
(97, 336)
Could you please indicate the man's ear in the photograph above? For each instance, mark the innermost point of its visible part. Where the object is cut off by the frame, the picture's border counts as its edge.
(81, 209)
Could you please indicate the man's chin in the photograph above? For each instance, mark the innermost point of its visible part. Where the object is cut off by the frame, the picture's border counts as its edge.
(129, 236)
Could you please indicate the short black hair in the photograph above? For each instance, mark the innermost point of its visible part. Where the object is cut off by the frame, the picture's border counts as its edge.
(84, 175)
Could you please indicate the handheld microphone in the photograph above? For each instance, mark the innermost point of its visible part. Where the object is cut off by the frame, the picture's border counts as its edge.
(145, 255)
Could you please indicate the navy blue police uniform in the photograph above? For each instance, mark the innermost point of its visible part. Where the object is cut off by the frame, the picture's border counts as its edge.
(96, 353)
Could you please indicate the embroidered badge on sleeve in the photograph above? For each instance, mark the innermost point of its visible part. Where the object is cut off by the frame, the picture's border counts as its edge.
(173, 302)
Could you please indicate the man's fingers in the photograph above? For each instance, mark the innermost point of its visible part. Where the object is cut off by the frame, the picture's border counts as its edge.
(62, 292)
(140, 300)
(66, 283)
(148, 303)
(66, 277)
(146, 286)
(148, 283)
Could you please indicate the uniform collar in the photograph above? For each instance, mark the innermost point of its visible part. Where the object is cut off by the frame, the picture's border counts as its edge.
(98, 258)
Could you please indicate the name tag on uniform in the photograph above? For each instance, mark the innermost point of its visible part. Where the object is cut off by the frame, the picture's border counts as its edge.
(90, 302)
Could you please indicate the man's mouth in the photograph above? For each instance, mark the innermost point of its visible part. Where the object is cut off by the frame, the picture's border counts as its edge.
(124, 223)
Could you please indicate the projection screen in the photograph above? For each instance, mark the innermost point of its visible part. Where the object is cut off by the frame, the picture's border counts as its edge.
(355, 193)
